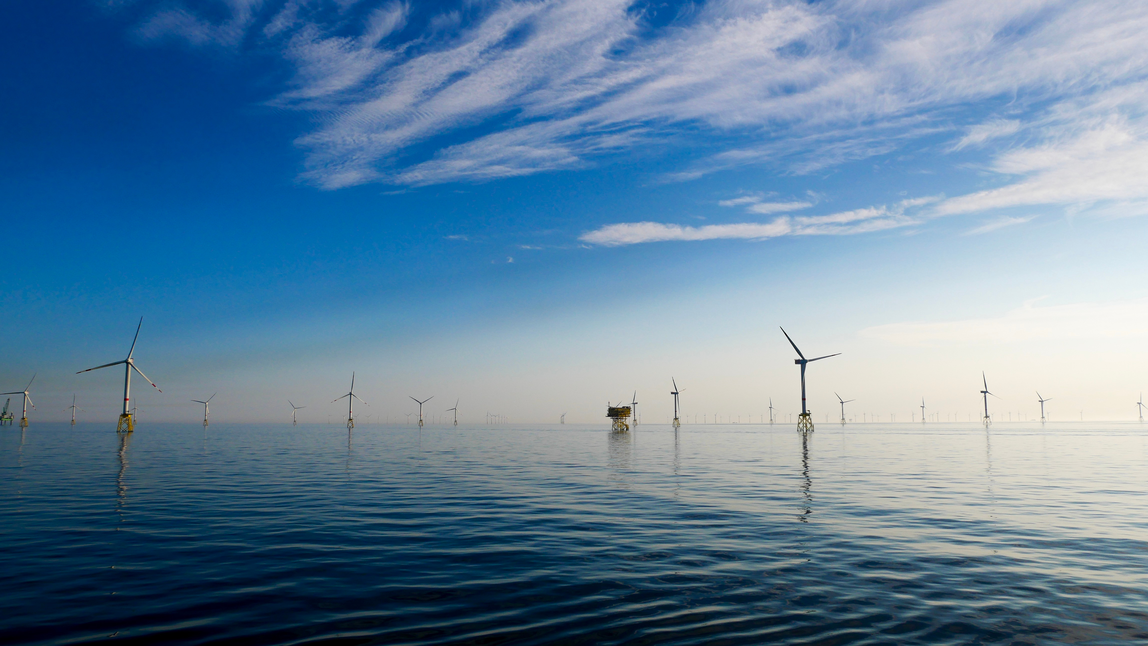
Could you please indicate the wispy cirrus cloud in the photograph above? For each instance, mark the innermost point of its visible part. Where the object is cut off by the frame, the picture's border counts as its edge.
(982, 132)
(415, 94)
(841, 223)
(999, 223)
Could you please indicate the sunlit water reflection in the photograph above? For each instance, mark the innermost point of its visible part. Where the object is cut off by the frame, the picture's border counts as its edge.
(731, 534)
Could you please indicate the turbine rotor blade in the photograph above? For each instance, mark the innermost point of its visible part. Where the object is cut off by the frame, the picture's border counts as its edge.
(135, 338)
(149, 380)
(30, 382)
(338, 398)
(106, 365)
(792, 343)
(825, 357)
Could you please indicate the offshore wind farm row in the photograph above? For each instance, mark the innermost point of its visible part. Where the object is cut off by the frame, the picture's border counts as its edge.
(622, 415)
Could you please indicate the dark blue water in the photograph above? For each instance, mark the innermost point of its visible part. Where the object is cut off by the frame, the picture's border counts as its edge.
(714, 535)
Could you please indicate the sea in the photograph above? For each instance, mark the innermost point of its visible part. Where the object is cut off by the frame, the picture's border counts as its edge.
(533, 534)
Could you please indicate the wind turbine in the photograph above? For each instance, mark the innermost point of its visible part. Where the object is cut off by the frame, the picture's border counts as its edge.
(27, 400)
(455, 409)
(922, 410)
(351, 396)
(421, 408)
(294, 422)
(562, 418)
(634, 408)
(1042, 400)
(804, 421)
(73, 408)
(1140, 406)
(675, 392)
(205, 407)
(843, 402)
(127, 420)
(986, 419)
(771, 411)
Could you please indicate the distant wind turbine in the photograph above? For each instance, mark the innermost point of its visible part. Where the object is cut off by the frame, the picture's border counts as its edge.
(986, 420)
(420, 403)
(771, 411)
(27, 400)
(1140, 406)
(73, 408)
(127, 421)
(350, 397)
(922, 410)
(843, 402)
(675, 392)
(634, 408)
(205, 406)
(455, 410)
(562, 418)
(1042, 400)
(294, 422)
(804, 421)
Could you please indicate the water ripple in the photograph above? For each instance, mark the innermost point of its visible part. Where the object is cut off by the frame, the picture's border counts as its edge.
(714, 535)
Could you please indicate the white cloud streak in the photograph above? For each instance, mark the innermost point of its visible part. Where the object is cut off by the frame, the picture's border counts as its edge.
(517, 87)
(999, 223)
(843, 223)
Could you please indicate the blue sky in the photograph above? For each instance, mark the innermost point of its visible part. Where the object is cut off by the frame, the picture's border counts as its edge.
(536, 207)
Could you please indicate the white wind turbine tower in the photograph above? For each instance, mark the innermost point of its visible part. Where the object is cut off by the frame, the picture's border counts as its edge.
(771, 411)
(843, 402)
(73, 408)
(1140, 406)
(351, 396)
(804, 421)
(675, 392)
(205, 406)
(127, 420)
(922, 410)
(421, 408)
(455, 411)
(294, 422)
(634, 408)
(986, 420)
(562, 418)
(1042, 400)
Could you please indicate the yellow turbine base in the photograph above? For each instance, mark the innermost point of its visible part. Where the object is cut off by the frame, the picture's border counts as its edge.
(805, 423)
(987, 421)
(677, 424)
(23, 422)
(127, 424)
(350, 423)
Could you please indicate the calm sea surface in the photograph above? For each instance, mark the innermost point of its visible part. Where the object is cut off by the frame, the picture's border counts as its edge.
(891, 534)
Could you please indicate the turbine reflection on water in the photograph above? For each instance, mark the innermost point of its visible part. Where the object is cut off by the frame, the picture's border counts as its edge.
(807, 481)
